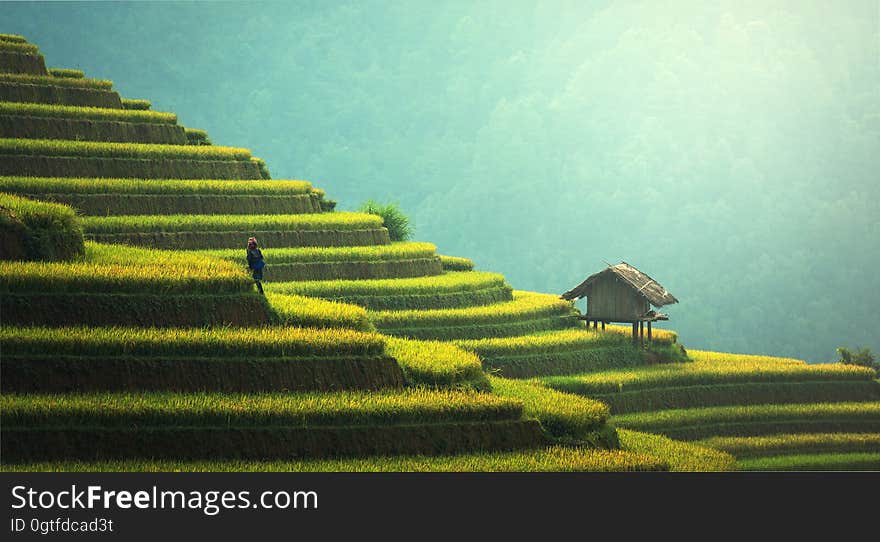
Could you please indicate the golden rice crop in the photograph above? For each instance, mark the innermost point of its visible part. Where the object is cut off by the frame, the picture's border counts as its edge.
(678, 418)
(867, 461)
(28, 79)
(219, 223)
(703, 373)
(86, 113)
(121, 269)
(394, 251)
(63, 185)
(552, 459)
(437, 364)
(447, 282)
(563, 415)
(72, 277)
(314, 312)
(92, 149)
(164, 409)
(101, 253)
(727, 358)
(795, 443)
(525, 306)
(681, 456)
(181, 342)
(565, 340)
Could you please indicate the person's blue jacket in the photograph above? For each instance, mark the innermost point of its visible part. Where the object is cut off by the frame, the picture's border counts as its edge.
(255, 258)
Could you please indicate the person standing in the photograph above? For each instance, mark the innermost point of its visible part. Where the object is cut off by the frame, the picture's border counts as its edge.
(255, 262)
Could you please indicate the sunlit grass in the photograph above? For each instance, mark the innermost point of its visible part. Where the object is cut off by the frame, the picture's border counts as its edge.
(164, 409)
(552, 459)
(85, 113)
(180, 342)
(96, 149)
(219, 223)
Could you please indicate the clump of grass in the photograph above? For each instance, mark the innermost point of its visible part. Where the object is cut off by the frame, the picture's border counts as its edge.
(34, 230)
(399, 227)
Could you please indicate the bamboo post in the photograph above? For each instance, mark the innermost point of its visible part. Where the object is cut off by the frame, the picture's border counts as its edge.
(650, 339)
(603, 325)
(641, 332)
(635, 332)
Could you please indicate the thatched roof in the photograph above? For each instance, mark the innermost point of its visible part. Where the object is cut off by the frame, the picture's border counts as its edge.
(644, 285)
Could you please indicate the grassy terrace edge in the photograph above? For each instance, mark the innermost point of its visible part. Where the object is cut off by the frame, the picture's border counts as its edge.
(551, 459)
(341, 221)
(25, 109)
(66, 185)
(95, 149)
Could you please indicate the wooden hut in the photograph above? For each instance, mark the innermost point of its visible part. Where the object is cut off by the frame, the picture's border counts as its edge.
(621, 293)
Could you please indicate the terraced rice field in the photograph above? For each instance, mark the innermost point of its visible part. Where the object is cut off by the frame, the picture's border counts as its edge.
(121, 356)
(566, 351)
(64, 360)
(757, 420)
(19, 109)
(230, 231)
(722, 380)
(527, 312)
(452, 289)
(265, 426)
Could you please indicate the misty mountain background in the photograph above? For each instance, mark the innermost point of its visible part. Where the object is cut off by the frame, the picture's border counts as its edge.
(729, 149)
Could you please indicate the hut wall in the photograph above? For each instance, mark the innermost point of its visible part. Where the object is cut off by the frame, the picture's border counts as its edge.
(613, 300)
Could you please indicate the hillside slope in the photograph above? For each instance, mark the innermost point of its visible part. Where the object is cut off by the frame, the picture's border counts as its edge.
(149, 348)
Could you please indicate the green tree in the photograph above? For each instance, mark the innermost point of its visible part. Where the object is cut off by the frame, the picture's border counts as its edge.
(399, 228)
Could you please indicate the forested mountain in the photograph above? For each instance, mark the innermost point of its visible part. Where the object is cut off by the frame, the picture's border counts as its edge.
(730, 149)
